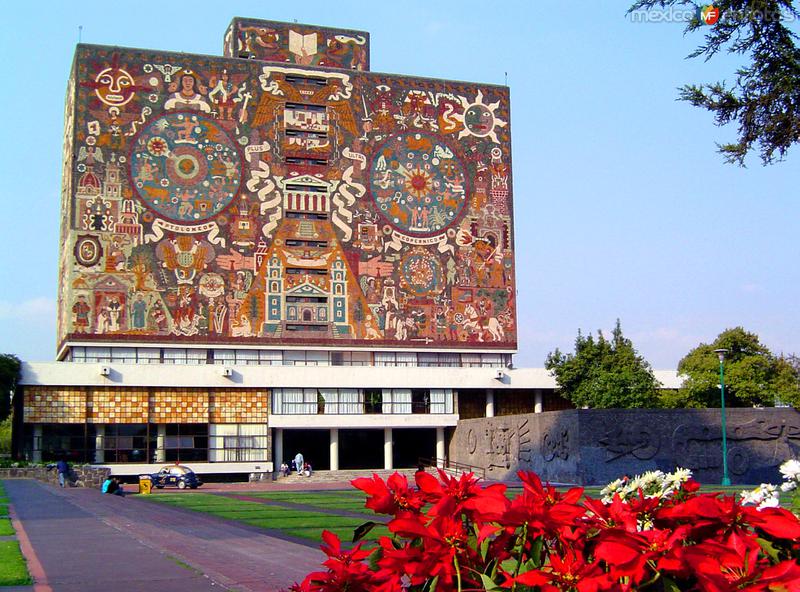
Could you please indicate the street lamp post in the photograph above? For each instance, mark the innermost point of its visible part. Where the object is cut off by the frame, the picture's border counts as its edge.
(721, 353)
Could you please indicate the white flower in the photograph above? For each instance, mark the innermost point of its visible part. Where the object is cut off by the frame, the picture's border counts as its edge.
(791, 470)
(765, 495)
(654, 484)
(788, 486)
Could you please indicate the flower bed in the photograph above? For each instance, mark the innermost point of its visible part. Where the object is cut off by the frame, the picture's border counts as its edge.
(653, 532)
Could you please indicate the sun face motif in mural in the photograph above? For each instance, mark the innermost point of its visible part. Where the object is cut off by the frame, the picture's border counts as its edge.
(114, 86)
(185, 167)
(480, 119)
(418, 183)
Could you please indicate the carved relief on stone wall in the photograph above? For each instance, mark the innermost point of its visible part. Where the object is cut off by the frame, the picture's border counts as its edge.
(500, 445)
(556, 444)
(639, 441)
(699, 446)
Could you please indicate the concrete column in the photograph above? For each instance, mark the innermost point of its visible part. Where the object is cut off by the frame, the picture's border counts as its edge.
(161, 442)
(334, 449)
(387, 449)
(36, 455)
(489, 402)
(277, 446)
(99, 444)
(440, 451)
(538, 406)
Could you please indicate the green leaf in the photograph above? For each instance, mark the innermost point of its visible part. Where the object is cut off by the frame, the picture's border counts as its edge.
(536, 552)
(769, 550)
(509, 565)
(362, 531)
(670, 585)
(374, 557)
(489, 584)
(484, 548)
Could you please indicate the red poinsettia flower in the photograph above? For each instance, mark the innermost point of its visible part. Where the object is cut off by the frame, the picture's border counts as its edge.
(346, 569)
(735, 565)
(777, 522)
(567, 572)
(399, 568)
(617, 514)
(444, 541)
(393, 497)
(713, 515)
(450, 495)
(542, 508)
(624, 552)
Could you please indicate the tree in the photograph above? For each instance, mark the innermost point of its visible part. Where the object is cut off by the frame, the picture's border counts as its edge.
(764, 99)
(10, 367)
(604, 373)
(753, 375)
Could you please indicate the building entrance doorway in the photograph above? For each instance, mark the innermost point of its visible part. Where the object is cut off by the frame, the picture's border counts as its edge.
(361, 449)
(314, 445)
(412, 444)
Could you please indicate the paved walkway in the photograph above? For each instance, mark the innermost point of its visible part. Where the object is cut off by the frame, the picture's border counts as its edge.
(80, 540)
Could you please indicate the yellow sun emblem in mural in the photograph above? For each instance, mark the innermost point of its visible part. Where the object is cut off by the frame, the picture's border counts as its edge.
(418, 182)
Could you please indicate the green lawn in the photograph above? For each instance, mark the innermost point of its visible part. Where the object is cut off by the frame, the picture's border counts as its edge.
(293, 522)
(13, 569)
(335, 500)
(5, 527)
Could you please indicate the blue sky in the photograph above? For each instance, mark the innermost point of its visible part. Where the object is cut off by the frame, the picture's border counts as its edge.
(623, 209)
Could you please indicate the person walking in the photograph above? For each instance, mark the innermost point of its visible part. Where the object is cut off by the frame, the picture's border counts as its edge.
(298, 463)
(63, 472)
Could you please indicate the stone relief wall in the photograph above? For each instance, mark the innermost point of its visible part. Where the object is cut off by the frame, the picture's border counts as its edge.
(594, 447)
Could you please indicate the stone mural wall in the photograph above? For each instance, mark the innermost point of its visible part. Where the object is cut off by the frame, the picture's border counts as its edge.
(594, 447)
(233, 201)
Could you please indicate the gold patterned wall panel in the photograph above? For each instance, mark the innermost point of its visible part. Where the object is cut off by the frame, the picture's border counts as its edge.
(239, 406)
(117, 405)
(179, 406)
(55, 405)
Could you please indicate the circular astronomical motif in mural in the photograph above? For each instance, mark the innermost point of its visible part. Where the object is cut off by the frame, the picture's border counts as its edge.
(185, 167)
(421, 273)
(418, 183)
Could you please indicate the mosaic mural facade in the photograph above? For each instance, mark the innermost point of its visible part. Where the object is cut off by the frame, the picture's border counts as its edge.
(225, 200)
(305, 45)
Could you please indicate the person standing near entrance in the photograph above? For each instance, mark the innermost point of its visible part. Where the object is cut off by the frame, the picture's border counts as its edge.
(63, 472)
(298, 462)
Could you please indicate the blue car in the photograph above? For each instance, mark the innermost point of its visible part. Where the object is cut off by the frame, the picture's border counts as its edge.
(176, 476)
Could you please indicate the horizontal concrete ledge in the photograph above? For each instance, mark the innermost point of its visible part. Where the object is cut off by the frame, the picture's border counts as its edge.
(252, 376)
(201, 468)
(377, 421)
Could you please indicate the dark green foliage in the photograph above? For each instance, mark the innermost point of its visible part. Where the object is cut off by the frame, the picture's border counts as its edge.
(10, 367)
(604, 374)
(764, 98)
(753, 375)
